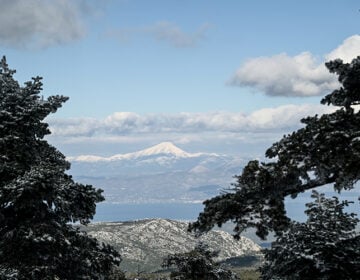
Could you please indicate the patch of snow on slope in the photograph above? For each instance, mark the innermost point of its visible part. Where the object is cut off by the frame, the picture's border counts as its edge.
(151, 240)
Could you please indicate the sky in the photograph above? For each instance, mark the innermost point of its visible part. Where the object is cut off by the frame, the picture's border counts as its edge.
(210, 76)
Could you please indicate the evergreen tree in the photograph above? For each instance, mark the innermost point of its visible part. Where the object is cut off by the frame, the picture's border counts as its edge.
(325, 151)
(38, 199)
(326, 246)
(198, 264)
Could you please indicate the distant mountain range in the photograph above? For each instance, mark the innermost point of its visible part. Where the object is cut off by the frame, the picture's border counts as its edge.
(166, 149)
(144, 243)
(161, 173)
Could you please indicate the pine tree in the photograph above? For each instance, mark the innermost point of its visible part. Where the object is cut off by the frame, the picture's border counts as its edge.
(325, 151)
(38, 199)
(198, 264)
(326, 246)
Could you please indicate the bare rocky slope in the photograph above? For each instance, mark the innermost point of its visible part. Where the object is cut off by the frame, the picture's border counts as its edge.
(144, 243)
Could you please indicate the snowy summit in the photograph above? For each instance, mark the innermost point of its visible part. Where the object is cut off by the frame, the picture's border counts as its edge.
(167, 148)
(164, 148)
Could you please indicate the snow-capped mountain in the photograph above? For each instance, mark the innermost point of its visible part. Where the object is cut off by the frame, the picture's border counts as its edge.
(163, 149)
(146, 242)
(161, 158)
(160, 173)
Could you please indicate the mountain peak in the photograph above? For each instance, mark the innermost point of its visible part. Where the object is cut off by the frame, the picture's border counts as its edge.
(164, 148)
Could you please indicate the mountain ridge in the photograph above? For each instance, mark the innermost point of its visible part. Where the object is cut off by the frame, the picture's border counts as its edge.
(146, 242)
(161, 173)
(164, 148)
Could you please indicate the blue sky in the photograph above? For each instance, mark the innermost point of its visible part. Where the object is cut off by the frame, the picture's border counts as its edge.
(217, 76)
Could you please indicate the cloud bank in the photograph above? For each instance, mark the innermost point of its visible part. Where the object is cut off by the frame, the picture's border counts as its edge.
(301, 75)
(277, 119)
(219, 132)
(40, 23)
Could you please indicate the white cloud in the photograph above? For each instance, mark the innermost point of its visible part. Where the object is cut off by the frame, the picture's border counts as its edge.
(39, 23)
(300, 75)
(284, 117)
(347, 51)
(74, 127)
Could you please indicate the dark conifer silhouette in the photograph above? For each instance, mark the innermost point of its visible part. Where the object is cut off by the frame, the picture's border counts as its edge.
(325, 151)
(38, 199)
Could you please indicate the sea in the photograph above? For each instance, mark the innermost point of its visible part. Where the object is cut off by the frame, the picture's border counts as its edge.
(112, 212)
(115, 212)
